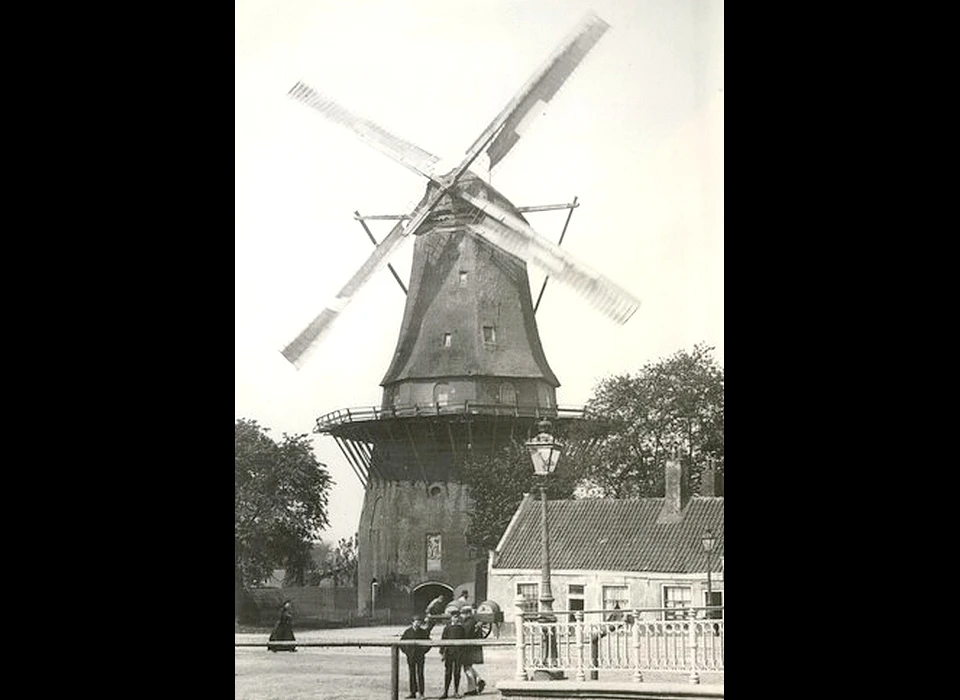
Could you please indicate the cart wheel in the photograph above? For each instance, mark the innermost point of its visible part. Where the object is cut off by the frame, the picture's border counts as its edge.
(485, 629)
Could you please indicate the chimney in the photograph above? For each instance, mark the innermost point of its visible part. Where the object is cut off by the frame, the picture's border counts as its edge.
(673, 500)
(707, 486)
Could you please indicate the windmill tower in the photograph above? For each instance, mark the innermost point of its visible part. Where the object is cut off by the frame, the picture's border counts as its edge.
(469, 373)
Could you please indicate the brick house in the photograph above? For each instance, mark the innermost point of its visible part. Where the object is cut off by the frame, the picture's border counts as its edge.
(644, 552)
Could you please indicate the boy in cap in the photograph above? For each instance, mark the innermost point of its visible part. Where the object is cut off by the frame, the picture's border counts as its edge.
(415, 655)
(451, 655)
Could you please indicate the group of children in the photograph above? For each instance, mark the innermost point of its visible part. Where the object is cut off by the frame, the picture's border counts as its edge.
(461, 625)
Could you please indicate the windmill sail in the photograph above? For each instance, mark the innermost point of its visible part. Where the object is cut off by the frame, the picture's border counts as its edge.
(500, 227)
(392, 146)
(542, 87)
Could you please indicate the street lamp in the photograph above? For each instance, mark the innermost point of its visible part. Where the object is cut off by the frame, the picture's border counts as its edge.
(709, 542)
(545, 452)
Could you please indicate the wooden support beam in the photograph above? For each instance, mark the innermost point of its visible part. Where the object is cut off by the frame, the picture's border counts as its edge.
(550, 207)
(453, 444)
(413, 445)
(393, 272)
(352, 447)
(562, 234)
(365, 453)
(350, 461)
(524, 209)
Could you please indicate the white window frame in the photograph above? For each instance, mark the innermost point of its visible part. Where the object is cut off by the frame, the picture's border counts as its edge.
(666, 614)
(625, 603)
(536, 584)
(582, 597)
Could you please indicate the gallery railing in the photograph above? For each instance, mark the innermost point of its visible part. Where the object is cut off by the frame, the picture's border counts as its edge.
(365, 413)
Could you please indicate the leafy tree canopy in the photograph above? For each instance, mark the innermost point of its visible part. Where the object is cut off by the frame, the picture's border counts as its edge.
(336, 563)
(675, 404)
(280, 502)
(497, 484)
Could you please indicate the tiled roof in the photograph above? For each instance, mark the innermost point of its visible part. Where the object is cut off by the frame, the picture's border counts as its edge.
(613, 535)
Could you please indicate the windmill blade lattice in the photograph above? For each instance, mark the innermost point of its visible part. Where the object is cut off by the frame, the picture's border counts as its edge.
(407, 154)
(514, 235)
(545, 84)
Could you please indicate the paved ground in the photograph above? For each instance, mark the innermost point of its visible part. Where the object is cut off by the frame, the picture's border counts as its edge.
(349, 673)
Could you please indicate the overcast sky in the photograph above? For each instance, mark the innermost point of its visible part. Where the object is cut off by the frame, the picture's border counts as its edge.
(636, 134)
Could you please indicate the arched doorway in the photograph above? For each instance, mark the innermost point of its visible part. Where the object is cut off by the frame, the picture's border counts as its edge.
(441, 394)
(425, 592)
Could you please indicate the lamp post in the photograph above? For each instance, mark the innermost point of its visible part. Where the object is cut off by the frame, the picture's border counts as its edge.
(545, 452)
(709, 542)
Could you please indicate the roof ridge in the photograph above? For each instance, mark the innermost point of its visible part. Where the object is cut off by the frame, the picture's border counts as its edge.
(513, 522)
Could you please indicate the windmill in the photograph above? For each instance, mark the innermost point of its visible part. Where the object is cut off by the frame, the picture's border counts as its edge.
(469, 372)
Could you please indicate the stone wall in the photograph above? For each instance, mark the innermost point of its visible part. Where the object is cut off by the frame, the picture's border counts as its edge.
(311, 605)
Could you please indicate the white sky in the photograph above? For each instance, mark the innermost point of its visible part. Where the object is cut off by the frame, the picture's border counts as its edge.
(636, 133)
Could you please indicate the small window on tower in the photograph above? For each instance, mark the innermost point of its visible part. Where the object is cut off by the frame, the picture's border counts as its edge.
(446, 340)
(463, 278)
(489, 334)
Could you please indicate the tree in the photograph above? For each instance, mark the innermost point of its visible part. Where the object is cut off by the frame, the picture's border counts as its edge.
(341, 563)
(497, 483)
(325, 561)
(280, 503)
(673, 404)
(306, 569)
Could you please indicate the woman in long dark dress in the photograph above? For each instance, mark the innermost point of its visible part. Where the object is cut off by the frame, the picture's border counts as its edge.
(283, 632)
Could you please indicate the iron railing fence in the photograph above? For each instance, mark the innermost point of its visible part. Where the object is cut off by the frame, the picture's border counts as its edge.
(582, 643)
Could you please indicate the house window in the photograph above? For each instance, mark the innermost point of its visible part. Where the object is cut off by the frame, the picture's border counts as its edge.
(574, 599)
(463, 278)
(489, 334)
(717, 599)
(447, 339)
(676, 598)
(508, 394)
(434, 552)
(531, 594)
(615, 598)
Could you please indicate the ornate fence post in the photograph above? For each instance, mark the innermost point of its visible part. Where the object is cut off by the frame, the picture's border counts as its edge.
(581, 675)
(692, 646)
(637, 674)
(521, 674)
